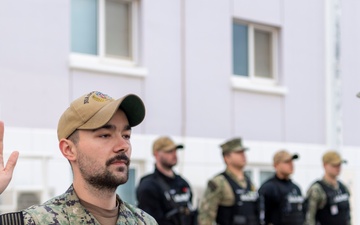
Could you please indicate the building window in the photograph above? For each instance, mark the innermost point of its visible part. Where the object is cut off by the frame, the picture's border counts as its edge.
(259, 174)
(118, 29)
(263, 54)
(104, 37)
(240, 49)
(254, 51)
(127, 191)
(255, 57)
(265, 175)
(104, 28)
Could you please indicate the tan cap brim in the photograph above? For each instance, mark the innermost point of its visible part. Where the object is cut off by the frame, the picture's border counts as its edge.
(172, 148)
(338, 162)
(132, 106)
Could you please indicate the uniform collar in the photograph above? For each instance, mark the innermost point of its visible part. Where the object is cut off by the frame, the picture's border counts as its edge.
(75, 210)
(166, 178)
(330, 185)
(282, 180)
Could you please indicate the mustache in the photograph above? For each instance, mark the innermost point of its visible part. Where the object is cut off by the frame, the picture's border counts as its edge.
(121, 157)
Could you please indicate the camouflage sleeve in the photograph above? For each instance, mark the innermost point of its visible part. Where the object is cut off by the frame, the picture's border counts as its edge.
(253, 188)
(141, 216)
(144, 218)
(28, 219)
(210, 202)
(348, 191)
(316, 200)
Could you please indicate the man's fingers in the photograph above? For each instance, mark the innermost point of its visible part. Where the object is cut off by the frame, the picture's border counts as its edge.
(1, 144)
(1, 131)
(10, 165)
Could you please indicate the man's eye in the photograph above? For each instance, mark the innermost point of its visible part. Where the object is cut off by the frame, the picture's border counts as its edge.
(104, 135)
(127, 137)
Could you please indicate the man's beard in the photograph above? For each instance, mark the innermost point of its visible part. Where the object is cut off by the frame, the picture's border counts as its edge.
(166, 164)
(102, 178)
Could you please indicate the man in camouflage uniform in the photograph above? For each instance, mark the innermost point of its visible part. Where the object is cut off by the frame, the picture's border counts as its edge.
(230, 197)
(94, 136)
(328, 199)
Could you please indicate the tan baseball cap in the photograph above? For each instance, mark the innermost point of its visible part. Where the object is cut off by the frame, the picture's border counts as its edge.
(232, 145)
(165, 144)
(333, 158)
(283, 156)
(95, 109)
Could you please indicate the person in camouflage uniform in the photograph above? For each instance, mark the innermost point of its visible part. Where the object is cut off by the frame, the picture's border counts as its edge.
(67, 209)
(94, 135)
(230, 197)
(328, 198)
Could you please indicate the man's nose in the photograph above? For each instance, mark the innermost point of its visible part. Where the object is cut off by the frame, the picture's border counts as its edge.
(122, 144)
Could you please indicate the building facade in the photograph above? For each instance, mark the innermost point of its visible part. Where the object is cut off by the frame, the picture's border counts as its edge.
(280, 74)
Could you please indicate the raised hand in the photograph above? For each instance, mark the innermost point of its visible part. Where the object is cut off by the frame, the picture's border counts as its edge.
(6, 171)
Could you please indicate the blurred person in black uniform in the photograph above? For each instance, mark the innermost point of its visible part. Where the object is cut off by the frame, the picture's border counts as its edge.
(164, 194)
(281, 198)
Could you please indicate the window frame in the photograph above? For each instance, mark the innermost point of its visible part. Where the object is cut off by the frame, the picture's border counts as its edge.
(105, 64)
(251, 82)
(138, 167)
(133, 34)
(256, 169)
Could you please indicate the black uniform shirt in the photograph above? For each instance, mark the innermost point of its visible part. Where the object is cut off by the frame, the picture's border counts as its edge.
(151, 197)
(274, 192)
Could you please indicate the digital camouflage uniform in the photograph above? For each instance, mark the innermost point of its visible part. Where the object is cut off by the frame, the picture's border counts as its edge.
(316, 200)
(66, 209)
(218, 192)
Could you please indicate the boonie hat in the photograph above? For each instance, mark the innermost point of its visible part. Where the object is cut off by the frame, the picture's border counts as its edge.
(233, 145)
(95, 109)
(283, 156)
(333, 158)
(165, 144)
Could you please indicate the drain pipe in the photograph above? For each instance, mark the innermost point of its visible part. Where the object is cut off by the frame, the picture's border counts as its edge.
(334, 129)
(183, 75)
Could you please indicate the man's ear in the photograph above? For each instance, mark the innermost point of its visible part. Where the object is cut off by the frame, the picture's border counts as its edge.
(68, 149)
(155, 153)
(226, 158)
